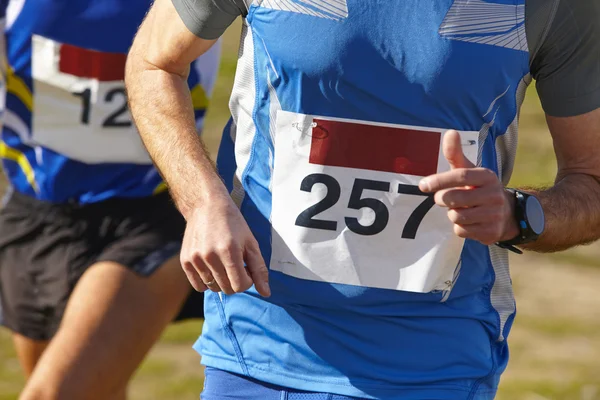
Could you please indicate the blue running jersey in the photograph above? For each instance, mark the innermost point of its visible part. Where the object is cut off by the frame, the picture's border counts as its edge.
(67, 133)
(339, 108)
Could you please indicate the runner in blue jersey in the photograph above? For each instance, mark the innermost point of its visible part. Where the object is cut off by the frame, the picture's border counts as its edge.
(372, 143)
(89, 237)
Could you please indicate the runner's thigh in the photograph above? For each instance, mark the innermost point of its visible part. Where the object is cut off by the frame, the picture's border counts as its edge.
(112, 320)
(41, 248)
(118, 309)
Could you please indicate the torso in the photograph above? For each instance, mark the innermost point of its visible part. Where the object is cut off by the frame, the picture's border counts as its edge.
(341, 102)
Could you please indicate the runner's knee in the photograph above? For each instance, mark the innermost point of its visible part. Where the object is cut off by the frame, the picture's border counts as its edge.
(36, 390)
(56, 388)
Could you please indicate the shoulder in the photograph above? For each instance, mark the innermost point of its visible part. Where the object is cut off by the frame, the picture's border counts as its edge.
(565, 54)
(208, 19)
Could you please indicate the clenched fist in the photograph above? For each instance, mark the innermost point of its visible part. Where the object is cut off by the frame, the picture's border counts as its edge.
(478, 205)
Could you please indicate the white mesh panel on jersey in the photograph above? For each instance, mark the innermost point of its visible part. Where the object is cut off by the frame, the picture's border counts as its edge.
(241, 104)
(237, 192)
(502, 296)
(274, 106)
(506, 145)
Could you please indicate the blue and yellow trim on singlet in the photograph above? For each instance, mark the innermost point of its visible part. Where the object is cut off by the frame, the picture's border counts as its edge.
(17, 90)
(41, 172)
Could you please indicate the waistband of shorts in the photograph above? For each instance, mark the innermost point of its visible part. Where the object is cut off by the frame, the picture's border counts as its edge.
(117, 204)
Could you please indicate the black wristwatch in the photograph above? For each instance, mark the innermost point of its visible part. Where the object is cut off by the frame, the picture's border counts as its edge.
(530, 218)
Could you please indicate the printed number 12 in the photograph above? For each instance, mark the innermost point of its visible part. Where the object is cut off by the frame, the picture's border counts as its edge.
(117, 119)
(86, 97)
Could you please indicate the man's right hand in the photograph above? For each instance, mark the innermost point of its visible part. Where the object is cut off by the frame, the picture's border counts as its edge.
(217, 240)
(216, 245)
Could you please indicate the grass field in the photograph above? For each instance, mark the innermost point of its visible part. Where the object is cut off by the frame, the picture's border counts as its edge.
(555, 343)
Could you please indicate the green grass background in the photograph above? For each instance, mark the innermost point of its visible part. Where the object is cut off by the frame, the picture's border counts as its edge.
(555, 343)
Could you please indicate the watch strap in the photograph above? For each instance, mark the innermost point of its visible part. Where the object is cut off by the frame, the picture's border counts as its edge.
(524, 235)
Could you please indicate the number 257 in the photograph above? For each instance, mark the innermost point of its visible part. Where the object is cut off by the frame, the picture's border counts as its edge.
(356, 202)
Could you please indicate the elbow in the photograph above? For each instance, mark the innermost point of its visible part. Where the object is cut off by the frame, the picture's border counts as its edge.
(135, 68)
(135, 65)
(132, 66)
(138, 65)
(590, 171)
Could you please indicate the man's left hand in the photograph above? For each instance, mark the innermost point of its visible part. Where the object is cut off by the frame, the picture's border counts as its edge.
(478, 204)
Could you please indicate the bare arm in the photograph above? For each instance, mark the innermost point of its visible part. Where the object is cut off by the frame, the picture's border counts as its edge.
(217, 245)
(572, 205)
(159, 97)
(565, 67)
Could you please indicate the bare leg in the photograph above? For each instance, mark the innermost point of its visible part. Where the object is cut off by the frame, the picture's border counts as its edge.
(29, 352)
(112, 320)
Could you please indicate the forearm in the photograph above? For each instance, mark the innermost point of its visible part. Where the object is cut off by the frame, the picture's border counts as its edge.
(162, 109)
(572, 210)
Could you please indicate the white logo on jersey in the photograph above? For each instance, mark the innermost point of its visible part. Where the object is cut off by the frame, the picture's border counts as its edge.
(478, 21)
(330, 9)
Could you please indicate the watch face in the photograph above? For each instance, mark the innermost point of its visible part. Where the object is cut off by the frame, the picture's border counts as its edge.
(535, 215)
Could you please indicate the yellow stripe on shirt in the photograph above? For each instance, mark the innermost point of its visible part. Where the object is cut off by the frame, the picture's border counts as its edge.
(199, 99)
(19, 157)
(17, 87)
(160, 188)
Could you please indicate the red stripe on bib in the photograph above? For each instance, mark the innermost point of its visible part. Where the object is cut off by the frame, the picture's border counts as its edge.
(92, 64)
(377, 148)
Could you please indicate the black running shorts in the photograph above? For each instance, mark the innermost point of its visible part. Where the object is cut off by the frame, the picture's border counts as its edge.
(46, 247)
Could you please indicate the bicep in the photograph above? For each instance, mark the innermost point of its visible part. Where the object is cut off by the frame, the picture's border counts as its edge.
(165, 42)
(576, 143)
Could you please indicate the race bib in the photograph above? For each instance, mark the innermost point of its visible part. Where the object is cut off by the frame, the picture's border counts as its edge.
(80, 105)
(347, 208)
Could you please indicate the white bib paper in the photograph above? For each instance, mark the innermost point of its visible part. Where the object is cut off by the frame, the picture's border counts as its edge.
(347, 209)
(80, 110)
